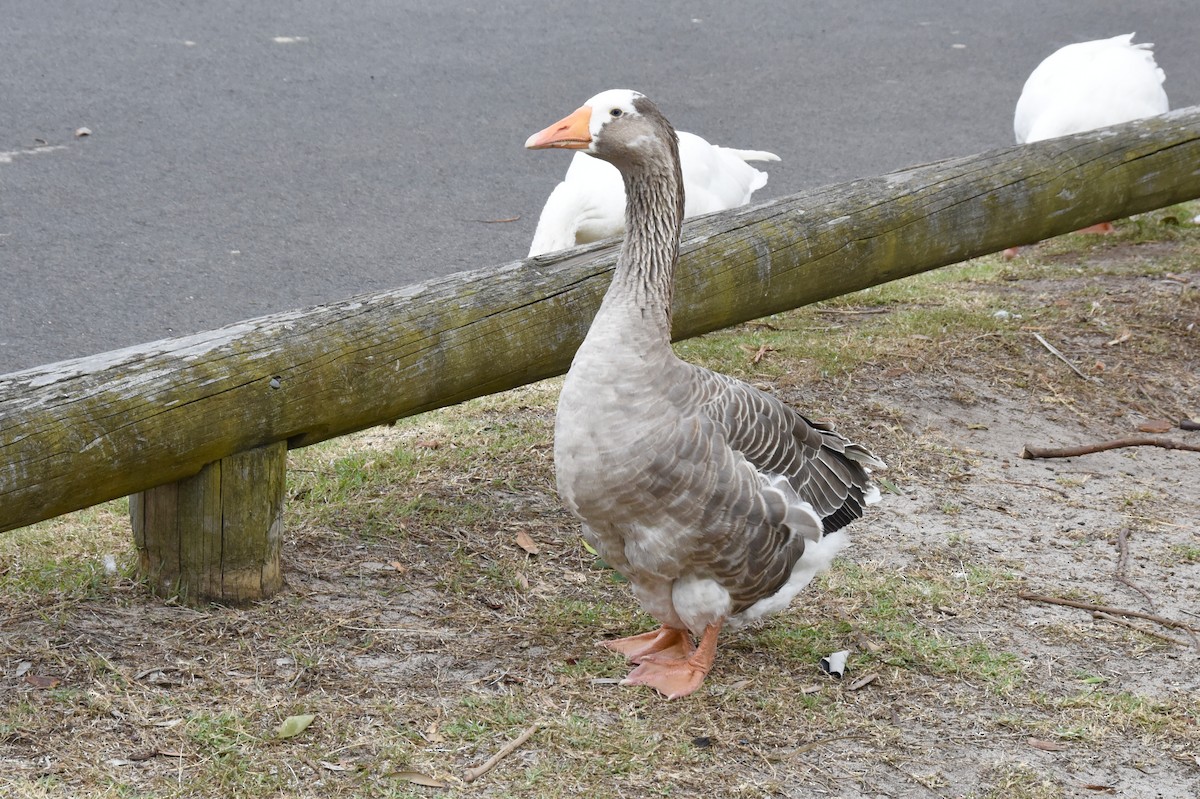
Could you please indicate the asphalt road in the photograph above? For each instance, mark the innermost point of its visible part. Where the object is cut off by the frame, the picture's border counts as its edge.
(247, 158)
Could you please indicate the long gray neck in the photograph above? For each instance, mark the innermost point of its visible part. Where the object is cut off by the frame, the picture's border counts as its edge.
(645, 274)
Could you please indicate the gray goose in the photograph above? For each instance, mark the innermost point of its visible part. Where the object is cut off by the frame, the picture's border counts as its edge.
(716, 500)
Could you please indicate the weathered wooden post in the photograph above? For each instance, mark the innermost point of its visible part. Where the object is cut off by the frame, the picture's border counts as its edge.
(215, 536)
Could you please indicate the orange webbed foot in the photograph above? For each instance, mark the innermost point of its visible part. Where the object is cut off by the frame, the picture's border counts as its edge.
(674, 676)
(667, 641)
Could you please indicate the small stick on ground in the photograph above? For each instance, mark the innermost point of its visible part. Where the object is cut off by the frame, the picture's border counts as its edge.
(1127, 623)
(1124, 579)
(1054, 351)
(854, 311)
(1030, 452)
(1123, 566)
(1075, 603)
(473, 774)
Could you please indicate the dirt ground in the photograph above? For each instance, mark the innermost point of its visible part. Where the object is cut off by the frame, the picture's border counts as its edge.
(439, 601)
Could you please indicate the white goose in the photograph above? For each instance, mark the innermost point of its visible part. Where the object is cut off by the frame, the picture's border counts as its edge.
(717, 501)
(1089, 85)
(589, 203)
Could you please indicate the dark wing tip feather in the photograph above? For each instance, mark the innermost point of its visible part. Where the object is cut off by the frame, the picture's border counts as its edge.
(827, 470)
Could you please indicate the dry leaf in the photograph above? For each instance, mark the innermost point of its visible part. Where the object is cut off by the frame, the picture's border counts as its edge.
(526, 543)
(1121, 339)
(38, 681)
(1045, 746)
(294, 725)
(1156, 426)
(1091, 786)
(418, 778)
(81, 132)
(397, 565)
(862, 682)
(432, 735)
(325, 764)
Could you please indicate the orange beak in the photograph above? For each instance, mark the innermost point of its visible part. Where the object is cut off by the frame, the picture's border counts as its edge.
(572, 133)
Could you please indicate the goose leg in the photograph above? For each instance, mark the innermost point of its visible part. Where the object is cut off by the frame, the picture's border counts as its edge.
(674, 677)
(669, 641)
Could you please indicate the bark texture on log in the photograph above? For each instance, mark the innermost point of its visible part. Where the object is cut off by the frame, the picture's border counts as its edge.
(79, 432)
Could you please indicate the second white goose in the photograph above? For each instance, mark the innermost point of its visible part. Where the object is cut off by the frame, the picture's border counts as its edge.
(589, 203)
(716, 500)
(1089, 85)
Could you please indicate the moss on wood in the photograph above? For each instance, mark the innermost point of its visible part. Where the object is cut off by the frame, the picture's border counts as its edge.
(80, 432)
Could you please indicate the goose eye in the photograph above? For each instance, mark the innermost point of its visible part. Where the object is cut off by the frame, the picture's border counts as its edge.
(616, 112)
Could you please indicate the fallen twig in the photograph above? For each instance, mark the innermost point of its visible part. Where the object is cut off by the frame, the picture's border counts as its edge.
(1123, 566)
(1127, 623)
(1124, 579)
(1075, 603)
(854, 311)
(1053, 351)
(473, 774)
(1030, 452)
(811, 745)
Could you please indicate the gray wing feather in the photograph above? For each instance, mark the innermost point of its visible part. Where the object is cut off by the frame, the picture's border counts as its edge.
(825, 469)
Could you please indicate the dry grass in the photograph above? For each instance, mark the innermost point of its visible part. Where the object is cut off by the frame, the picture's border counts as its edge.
(423, 637)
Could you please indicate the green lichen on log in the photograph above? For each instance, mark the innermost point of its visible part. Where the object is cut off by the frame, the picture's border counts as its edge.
(80, 432)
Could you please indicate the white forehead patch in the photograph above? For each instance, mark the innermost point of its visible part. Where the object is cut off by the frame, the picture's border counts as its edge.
(604, 103)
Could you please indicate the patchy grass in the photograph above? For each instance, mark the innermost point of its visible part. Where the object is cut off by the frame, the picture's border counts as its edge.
(70, 558)
(423, 636)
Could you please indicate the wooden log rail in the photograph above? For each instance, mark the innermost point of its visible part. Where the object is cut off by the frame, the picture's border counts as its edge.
(83, 431)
